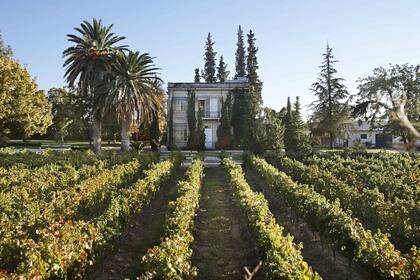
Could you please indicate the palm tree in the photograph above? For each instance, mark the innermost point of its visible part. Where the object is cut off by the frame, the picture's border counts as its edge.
(87, 63)
(132, 88)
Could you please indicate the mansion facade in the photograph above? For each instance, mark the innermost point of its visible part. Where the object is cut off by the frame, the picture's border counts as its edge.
(208, 97)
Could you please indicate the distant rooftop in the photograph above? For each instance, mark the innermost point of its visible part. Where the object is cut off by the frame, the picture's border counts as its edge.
(240, 82)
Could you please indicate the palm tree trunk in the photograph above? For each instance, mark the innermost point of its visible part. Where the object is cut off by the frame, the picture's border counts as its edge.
(96, 134)
(125, 126)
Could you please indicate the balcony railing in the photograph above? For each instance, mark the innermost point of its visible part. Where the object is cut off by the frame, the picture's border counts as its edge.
(211, 115)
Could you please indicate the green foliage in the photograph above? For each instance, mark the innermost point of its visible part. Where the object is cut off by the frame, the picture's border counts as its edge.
(368, 205)
(224, 139)
(251, 61)
(24, 109)
(238, 116)
(197, 75)
(373, 250)
(5, 51)
(69, 115)
(209, 72)
(171, 259)
(155, 132)
(191, 119)
(282, 258)
(269, 131)
(222, 72)
(240, 65)
(200, 135)
(381, 94)
(330, 110)
(296, 142)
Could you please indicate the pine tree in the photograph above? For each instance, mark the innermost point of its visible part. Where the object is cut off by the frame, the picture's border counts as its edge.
(330, 109)
(209, 73)
(197, 75)
(191, 119)
(240, 55)
(200, 134)
(222, 73)
(297, 114)
(223, 130)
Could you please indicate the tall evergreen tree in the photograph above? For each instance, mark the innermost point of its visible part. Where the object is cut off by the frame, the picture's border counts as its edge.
(200, 137)
(197, 75)
(209, 73)
(154, 131)
(330, 109)
(5, 50)
(297, 114)
(238, 116)
(171, 125)
(224, 129)
(296, 142)
(191, 120)
(222, 73)
(240, 65)
(251, 60)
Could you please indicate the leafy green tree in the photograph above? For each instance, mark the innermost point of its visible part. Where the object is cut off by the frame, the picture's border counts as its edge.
(390, 99)
(70, 119)
(331, 109)
(132, 88)
(197, 75)
(24, 109)
(296, 142)
(270, 130)
(87, 62)
(200, 134)
(209, 73)
(5, 50)
(240, 65)
(191, 119)
(224, 138)
(222, 73)
(252, 61)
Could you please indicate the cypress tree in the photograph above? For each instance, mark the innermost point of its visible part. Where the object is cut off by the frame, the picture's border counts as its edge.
(223, 130)
(251, 60)
(209, 73)
(330, 109)
(200, 134)
(154, 132)
(222, 73)
(240, 55)
(238, 115)
(170, 125)
(196, 75)
(191, 119)
(296, 142)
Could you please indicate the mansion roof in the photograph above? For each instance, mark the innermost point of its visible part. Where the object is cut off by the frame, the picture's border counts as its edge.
(231, 84)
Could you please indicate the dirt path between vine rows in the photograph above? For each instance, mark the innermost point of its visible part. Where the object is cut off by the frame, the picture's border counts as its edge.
(329, 263)
(142, 233)
(222, 243)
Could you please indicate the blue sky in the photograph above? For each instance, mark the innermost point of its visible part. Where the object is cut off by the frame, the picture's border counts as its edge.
(291, 36)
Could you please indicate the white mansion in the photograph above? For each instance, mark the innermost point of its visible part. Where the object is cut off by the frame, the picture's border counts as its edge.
(209, 97)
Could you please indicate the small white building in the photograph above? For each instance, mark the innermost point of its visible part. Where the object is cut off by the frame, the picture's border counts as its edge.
(209, 97)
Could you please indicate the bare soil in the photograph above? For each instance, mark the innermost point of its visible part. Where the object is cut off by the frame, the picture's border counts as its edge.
(144, 232)
(223, 244)
(328, 261)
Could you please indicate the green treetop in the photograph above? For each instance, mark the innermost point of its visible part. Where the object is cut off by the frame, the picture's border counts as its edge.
(240, 70)
(330, 110)
(222, 73)
(209, 72)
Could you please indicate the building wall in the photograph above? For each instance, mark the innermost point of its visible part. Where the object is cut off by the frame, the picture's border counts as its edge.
(179, 94)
